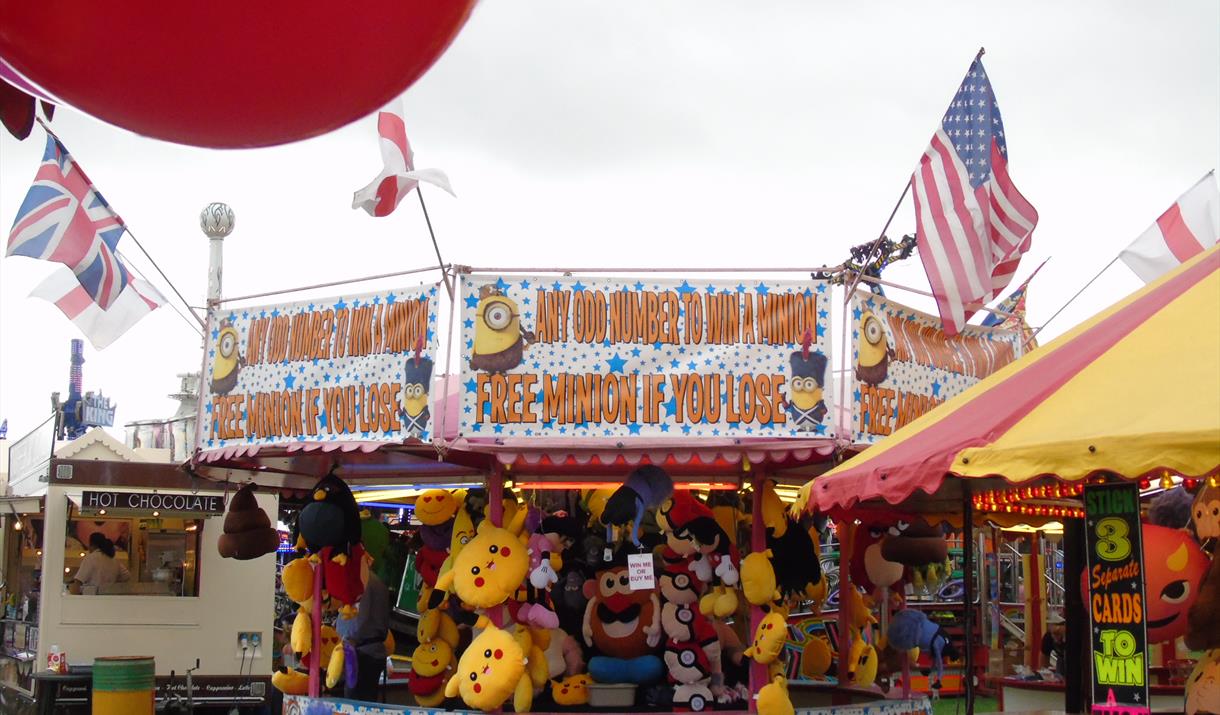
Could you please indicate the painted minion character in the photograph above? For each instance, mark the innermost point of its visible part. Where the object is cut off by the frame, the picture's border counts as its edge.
(875, 350)
(804, 404)
(228, 362)
(417, 376)
(499, 340)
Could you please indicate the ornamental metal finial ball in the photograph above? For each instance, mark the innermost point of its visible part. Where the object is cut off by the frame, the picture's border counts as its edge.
(217, 220)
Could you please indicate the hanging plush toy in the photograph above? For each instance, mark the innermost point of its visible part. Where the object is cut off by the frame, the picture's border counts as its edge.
(692, 654)
(491, 670)
(798, 553)
(758, 578)
(329, 528)
(432, 664)
(538, 610)
(645, 488)
(435, 624)
(773, 698)
(769, 638)
(816, 657)
(489, 569)
(436, 510)
(861, 664)
(910, 629)
(774, 513)
(247, 528)
(717, 559)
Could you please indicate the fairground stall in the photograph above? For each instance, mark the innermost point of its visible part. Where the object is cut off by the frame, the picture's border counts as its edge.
(174, 605)
(1075, 431)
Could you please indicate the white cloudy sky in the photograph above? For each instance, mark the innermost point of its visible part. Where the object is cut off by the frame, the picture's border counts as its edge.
(678, 133)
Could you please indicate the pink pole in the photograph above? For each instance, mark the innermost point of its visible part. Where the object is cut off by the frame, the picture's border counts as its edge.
(758, 542)
(495, 495)
(844, 531)
(315, 649)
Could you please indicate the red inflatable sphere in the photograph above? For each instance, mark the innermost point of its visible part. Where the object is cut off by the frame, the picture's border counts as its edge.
(227, 73)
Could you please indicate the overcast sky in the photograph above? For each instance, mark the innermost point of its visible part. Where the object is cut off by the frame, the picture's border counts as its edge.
(658, 134)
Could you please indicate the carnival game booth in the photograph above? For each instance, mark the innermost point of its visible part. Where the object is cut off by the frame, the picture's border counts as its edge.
(182, 606)
(1070, 431)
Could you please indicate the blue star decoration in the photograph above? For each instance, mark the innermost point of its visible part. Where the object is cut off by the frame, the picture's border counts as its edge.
(685, 288)
(390, 298)
(578, 287)
(471, 385)
(616, 363)
(761, 289)
(936, 388)
(472, 301)
(340, 305)
(525, 285)
(289, 381)
(501, 284)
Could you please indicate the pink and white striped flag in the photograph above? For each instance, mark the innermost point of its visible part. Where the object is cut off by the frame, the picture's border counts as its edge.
(1189, 227)
(398, 175)
(972, 224)
(101, 326)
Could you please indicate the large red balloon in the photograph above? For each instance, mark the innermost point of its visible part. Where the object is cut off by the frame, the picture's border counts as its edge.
(227, 73)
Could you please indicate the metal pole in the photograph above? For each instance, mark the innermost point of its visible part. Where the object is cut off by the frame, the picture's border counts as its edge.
(758, 543)
(440, 261)
(845, 531)
(1076, 667)
(968, 596)
(856, 279)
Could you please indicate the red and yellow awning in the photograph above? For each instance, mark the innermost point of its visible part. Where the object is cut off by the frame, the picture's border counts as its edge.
(1134, 391)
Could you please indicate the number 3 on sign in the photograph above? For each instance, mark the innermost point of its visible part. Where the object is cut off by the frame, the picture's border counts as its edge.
(1112, 541)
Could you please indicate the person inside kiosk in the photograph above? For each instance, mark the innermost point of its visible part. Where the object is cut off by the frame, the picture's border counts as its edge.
(98, 568)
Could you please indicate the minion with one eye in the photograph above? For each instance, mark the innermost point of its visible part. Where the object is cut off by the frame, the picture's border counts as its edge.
(804, 404)
(416, 378)
(875, 350)
(499, 340)
(227, 362)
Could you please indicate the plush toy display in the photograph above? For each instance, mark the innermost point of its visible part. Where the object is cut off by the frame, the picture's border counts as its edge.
(816, 658)
(1203, 685)
(773, 698)
(432, 664)
(435, 624)
(774, 513)
(290, 682)
(248, 533)
(572, 690)
(538, 611)
(491, 670)
(331, 520)
(909, 629)
(861, 664)
(1205, 513)
(619, 622)
(802, 570)
(768, 638)
(692, 654)
(489, 569)
(758, 578)
(645, 488)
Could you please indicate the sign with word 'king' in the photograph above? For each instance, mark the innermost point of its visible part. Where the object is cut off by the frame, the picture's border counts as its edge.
(903, 364)
(356, 367)
(621, 357)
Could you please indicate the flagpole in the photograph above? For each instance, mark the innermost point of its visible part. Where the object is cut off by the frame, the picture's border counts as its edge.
(856, 280)
(1069, 302)
(419, 191)
(172, 287)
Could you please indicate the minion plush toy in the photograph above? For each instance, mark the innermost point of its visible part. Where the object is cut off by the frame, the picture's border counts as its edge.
(804, 405)
(228, 361)
(499, 339)
(415, 380)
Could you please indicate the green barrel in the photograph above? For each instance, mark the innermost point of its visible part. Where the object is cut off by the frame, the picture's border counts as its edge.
(124, 685)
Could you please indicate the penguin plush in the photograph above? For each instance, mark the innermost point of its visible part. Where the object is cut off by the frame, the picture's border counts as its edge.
(332, 519)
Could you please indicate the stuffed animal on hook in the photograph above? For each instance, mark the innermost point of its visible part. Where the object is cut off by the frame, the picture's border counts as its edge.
(492, 669)
(647, 487)
(692, 654)
(432, 665)
(769, 638)
(489, 569)
(773, 698)
(910, 629)
(247, 528)
(1203, 685)
(331, 519)
(538, 609)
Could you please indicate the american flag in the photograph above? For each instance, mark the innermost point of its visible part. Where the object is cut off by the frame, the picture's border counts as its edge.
(971, 222)
(1014, 305)
(65, 219)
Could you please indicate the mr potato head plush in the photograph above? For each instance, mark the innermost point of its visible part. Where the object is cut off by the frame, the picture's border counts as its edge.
(623, 626)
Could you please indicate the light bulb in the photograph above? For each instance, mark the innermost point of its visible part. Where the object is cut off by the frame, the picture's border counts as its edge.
(17, 525)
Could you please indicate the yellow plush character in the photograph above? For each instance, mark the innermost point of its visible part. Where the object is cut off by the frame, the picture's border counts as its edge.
(572, 690)
(334, 667)
(758, 578)
(774, 513)
(429, 662)
(768, 638)
(815, 657)
(535, 659)
(595, 504)
(1203, 685)
(301, 638)
(861, 611)
(434, 507)
(435, 624)
(862, 663)
(490, 670)
(490, 568)
(773, 698)
(290, 682)
(297, 578)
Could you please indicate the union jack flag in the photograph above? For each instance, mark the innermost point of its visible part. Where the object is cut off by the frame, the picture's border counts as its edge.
(65, 219)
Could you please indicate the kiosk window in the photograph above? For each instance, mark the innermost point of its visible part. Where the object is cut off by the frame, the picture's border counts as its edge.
(151, 556)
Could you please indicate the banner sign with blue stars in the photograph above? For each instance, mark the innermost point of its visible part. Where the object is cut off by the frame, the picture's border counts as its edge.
(903, 364)
(352, 368)
(624, 357)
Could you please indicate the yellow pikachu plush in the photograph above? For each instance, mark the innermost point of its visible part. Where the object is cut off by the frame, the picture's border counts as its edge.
(490, 568)
(768, 638)
(490, 670)
(773, 698)
(758, 578)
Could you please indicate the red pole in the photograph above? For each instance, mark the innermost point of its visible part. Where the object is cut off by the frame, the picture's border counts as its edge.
(495, 495)
(758, 543)
(844, 531)
(315, 649)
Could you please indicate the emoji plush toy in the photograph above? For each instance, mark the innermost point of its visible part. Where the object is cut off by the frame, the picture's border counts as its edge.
(490, 671)
(247, 528)
(773, 698)
(489, 569)
(645, 488)
(572, 690)
(432, 665)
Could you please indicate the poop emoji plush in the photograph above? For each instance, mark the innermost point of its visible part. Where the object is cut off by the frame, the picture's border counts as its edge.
(489, 569)
(247, 529)
(490, 671)
(432, 665)
(572, 690)
(645, 488)
(773, 698)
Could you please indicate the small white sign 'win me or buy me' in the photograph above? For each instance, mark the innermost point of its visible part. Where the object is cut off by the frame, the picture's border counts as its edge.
(639, 569)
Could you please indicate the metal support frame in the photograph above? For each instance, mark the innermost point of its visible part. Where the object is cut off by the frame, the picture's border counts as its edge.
(968, 580)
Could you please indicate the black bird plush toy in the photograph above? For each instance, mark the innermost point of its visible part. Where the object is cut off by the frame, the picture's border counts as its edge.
(331, 519)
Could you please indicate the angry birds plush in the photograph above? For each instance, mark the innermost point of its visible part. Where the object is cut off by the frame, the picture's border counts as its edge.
(1203, 685)
(489, 569)
(228, 361)
(490, 671)
(862, 664)
(331, 519)
(804, 403)
(417, 376)
(647, 487)
(870, 569)
(572, 690)
(499, 340)
(773, 698)
(758, 578)
(247, 528)
(432, 665)
(619, 622)
(769, 638)
(875, 350)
